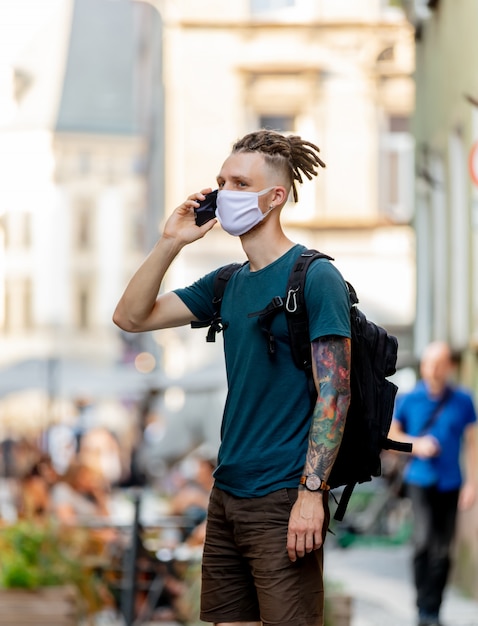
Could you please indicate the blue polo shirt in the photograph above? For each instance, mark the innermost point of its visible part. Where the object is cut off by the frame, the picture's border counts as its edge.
(413, 411)
(266, 420)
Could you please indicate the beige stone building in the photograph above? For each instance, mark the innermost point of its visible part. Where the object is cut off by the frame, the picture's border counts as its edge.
(445, 126)
(108, 132)
(338, 74)
(74, 159)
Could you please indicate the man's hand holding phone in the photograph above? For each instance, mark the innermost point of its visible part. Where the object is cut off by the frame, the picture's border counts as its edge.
(206, 210)
(181, 225)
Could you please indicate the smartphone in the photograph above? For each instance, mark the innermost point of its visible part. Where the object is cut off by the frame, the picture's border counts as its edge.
(207, 208)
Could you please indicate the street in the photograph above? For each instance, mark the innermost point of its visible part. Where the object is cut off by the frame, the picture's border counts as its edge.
(379, 580)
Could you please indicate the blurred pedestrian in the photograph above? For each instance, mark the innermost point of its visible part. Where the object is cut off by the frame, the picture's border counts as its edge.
(80, 495)
(100, 450)
(192, 498)
(440, 420)
(35, 488)
(61, 446)
(268, 509)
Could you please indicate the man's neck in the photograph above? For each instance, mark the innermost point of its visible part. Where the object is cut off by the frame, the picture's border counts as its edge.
(436, 390)
(262, 250)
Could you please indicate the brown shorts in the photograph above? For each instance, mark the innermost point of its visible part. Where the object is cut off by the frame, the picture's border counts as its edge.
(246, 572)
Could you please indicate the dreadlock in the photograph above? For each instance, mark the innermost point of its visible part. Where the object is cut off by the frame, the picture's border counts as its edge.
(289, 153)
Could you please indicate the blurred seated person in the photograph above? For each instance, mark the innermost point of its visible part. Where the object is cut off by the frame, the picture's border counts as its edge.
(192, 498)
(80, 494)
(99, 448)
(34, 489)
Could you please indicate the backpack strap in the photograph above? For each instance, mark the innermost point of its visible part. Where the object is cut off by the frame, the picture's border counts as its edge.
(297, 318)
(398, 446)
(344, 500)
(215, 323)
(296, 315)
(436, 411)
(296, 312)
(266, 315)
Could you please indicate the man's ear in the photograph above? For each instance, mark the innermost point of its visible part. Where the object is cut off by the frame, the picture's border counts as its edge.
(280, 196)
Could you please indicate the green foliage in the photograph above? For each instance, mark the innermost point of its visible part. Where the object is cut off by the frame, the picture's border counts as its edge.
(31, 557)
(34, 555)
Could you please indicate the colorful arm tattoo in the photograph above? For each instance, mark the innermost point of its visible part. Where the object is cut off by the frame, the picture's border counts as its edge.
(331, 362)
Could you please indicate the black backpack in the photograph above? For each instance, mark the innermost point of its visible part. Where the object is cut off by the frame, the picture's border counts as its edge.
(374, 358)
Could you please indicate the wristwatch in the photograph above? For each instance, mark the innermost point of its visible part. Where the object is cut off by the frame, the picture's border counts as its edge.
(312, 482)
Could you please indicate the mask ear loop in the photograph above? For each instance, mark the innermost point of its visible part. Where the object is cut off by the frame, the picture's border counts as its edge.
(271, 208)
(264, 191)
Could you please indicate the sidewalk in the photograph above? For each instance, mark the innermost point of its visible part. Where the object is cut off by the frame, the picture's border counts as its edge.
(379, 580)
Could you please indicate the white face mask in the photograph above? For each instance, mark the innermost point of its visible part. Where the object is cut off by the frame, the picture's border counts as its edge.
(238, 211)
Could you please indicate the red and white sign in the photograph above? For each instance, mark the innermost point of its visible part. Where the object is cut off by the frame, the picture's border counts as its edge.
(473, 163)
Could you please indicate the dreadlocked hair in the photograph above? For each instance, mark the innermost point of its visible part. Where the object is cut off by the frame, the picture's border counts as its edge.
(289, 153)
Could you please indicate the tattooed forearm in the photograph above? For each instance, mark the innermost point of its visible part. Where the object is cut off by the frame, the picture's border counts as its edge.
(331, 359)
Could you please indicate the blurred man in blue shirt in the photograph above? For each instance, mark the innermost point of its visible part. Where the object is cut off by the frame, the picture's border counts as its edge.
(440, 420)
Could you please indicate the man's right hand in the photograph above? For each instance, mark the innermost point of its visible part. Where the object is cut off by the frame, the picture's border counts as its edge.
(140, 308)
(426, 447)
(305, 531)
(181, 225)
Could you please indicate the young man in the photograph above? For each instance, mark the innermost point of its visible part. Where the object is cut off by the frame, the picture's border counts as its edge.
(438, 419)
(263, 553)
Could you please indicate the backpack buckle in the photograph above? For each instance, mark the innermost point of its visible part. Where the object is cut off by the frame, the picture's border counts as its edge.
(216, 327)
(291, 305)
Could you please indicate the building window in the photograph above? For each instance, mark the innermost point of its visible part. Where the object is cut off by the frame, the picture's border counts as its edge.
(4, 230)
(137, 231)
(83, 309)
(18, 308)
(26, 231)
(113, 167)
(139, 165)
(18, 230)
(83, 233)
(396, 171)
(27, 312)
(7, 231)
(282, 123)
(7, 318)
(84, 163)
(399, 124)
(261, 6)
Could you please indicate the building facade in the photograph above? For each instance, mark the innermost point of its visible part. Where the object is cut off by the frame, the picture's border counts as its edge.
(338, 74)
(77, 159)
(445, 127)
(140, 103)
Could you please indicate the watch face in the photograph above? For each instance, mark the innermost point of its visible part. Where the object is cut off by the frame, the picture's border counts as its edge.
(313, 482)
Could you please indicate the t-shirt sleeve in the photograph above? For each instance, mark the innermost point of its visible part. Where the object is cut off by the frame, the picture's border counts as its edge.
(327, 301)
(471, 411)
(399, 410)
(198, 297)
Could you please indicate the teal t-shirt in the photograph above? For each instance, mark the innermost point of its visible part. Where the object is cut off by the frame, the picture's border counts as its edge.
(266, 420)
